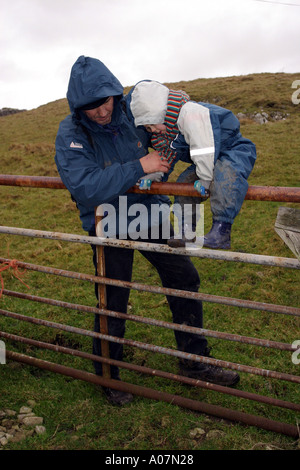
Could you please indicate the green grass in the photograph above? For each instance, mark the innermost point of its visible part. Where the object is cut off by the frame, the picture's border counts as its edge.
(76, 413)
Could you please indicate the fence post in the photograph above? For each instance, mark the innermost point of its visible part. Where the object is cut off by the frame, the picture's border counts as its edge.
(102, 291)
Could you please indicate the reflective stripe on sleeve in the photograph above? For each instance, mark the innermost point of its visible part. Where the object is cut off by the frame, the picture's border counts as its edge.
(208, 150)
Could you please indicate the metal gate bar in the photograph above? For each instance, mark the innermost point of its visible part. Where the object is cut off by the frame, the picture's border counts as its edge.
(155, 372)
(213, 410)
(193, 252)
(153, 322)
(254, 193)
(155, 349)
(281, 309)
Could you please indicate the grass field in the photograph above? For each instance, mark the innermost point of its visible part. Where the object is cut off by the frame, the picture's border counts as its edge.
(76, 414)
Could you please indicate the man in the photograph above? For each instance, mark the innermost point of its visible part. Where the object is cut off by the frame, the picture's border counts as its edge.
(100, 155)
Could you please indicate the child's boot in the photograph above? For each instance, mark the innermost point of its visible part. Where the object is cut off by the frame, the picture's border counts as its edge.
(218, 236)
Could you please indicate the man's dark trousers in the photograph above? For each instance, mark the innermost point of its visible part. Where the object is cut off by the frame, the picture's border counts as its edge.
(175, 271)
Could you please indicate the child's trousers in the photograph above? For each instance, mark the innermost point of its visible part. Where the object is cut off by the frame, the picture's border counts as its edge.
(228, 189)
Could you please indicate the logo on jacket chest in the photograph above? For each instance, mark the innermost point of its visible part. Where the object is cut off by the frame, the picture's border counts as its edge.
(76, 145)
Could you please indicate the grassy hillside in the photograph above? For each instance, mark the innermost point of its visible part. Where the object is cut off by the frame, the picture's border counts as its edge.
(76, 414)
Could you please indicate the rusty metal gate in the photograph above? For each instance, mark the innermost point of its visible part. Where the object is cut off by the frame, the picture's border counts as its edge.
(254, 193)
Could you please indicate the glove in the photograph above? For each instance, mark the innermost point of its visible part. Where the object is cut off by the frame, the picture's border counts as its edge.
(202, 187)
(146, 181)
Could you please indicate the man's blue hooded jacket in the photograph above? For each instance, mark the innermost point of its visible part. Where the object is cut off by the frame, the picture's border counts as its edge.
(99, 163)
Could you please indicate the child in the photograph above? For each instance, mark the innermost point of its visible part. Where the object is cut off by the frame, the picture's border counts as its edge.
(208, 137)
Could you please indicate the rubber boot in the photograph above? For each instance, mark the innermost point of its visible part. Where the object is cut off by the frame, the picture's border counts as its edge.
(218, 236)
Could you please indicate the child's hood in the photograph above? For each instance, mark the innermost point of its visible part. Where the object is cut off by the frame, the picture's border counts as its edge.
(148, 102)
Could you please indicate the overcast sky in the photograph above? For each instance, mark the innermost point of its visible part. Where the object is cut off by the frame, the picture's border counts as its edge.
(164, 40)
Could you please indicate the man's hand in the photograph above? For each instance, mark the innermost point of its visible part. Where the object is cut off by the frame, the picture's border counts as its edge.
(153, 162)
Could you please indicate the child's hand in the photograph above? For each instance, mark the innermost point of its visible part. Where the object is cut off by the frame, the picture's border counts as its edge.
(153, 162)
(146, 181)
(202, 187)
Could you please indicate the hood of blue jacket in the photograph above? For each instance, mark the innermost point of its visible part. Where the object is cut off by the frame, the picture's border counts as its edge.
(148, 102)
(91, 80)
